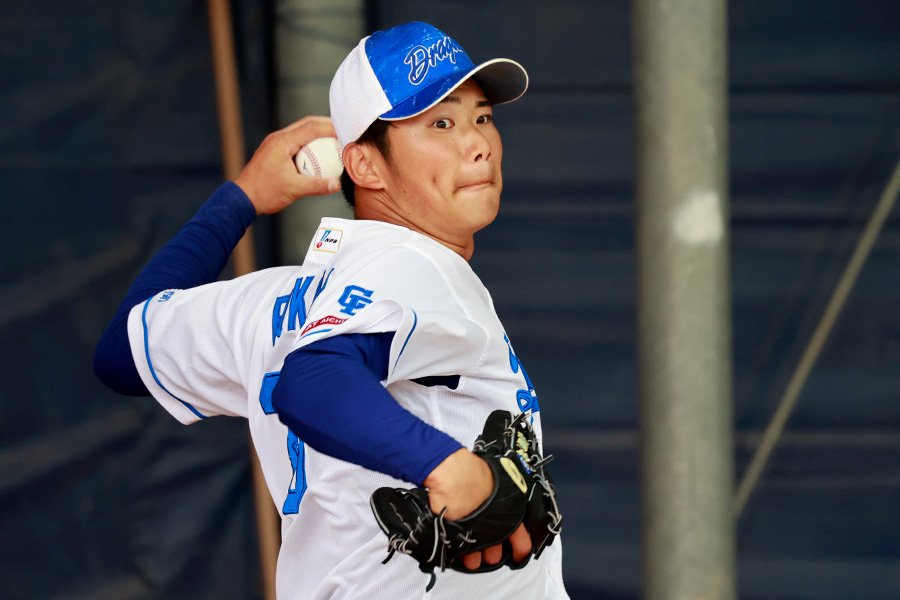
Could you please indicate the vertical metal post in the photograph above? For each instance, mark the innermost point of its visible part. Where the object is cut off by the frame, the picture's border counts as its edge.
(684, 357)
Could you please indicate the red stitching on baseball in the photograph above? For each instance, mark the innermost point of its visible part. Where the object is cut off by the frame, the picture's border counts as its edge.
(317, 170)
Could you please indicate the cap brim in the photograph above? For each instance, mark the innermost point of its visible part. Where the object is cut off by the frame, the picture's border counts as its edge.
(501, 79)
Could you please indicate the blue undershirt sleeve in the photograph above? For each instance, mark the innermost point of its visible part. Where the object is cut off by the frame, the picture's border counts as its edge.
(329, 394)
(195, 256)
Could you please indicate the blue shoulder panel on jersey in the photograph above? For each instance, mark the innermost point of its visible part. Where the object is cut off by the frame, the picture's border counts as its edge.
(330, 394)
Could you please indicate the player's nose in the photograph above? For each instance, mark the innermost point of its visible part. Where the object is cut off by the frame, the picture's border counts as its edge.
(476, 145)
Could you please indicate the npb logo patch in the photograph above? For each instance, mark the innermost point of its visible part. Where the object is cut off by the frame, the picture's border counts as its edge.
(328, 240)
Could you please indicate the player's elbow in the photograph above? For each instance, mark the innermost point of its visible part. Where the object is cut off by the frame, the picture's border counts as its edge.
(303, 396)
(280, 400)
(114, 366)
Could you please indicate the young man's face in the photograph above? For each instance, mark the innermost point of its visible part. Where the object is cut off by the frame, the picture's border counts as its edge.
(444, 173)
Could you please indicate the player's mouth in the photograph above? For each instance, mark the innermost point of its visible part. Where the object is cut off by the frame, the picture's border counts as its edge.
(477, 185)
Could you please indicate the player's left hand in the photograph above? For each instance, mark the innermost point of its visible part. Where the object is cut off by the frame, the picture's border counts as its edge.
(462, 482)
(516, 519)
(521, 548)
(270, 179)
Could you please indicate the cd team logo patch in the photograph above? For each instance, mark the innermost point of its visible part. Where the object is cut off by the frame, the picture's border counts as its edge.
(328, 240)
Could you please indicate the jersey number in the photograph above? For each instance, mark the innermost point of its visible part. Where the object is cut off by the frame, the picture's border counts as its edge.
(295, 449)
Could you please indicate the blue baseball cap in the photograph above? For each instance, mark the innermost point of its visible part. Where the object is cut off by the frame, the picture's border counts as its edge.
(403, 71)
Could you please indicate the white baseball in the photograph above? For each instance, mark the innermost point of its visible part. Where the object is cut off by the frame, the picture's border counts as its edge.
(320, 158)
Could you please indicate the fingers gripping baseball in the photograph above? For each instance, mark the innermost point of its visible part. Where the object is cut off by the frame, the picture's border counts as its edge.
(270, 179)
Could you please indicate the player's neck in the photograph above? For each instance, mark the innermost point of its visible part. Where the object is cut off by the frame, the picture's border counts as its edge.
(370, 209)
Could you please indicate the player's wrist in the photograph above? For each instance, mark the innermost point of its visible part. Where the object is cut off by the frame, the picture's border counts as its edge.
(460, 483)
(249, 190)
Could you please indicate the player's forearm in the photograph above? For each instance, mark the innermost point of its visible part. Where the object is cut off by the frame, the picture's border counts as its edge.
(330, 395)
(195, 256)
(199, 252)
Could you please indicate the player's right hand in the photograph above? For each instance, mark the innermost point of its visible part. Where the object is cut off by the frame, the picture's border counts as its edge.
(271, 180)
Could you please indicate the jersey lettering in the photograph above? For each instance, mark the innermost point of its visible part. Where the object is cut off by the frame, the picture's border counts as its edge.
(513, 359)
(293, 306)
(278, 311)
(354, 298)
(320, 287)
(297, 312)
(526, 399)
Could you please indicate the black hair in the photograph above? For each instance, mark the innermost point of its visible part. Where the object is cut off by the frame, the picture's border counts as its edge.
(376, 135)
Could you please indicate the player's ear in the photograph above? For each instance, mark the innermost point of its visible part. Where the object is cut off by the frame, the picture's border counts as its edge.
(364, 164)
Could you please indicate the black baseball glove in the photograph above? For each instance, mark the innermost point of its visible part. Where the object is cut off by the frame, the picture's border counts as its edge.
(522, 493)
(542, 517)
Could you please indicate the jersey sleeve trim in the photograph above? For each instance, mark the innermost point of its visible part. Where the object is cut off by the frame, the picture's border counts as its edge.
(406, 341)
(150, 362)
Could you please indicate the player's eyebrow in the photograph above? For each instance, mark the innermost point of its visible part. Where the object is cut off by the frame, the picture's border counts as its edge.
(456, 100)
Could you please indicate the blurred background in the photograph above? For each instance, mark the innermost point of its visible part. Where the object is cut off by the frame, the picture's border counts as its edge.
(109, 141)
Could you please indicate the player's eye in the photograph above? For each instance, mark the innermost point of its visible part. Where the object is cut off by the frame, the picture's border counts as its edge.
(443, 124)
(485, 119)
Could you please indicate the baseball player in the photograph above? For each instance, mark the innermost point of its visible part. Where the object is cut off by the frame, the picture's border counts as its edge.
(374, 363)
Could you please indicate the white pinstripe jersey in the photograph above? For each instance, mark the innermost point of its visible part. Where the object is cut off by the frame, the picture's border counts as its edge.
(217, 350)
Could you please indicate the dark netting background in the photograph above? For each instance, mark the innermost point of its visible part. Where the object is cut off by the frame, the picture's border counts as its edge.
(109, 142)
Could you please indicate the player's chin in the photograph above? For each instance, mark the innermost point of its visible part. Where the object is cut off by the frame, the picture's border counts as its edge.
(483, 213)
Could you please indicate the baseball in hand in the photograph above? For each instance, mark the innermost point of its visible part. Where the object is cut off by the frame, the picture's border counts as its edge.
(320, 158)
